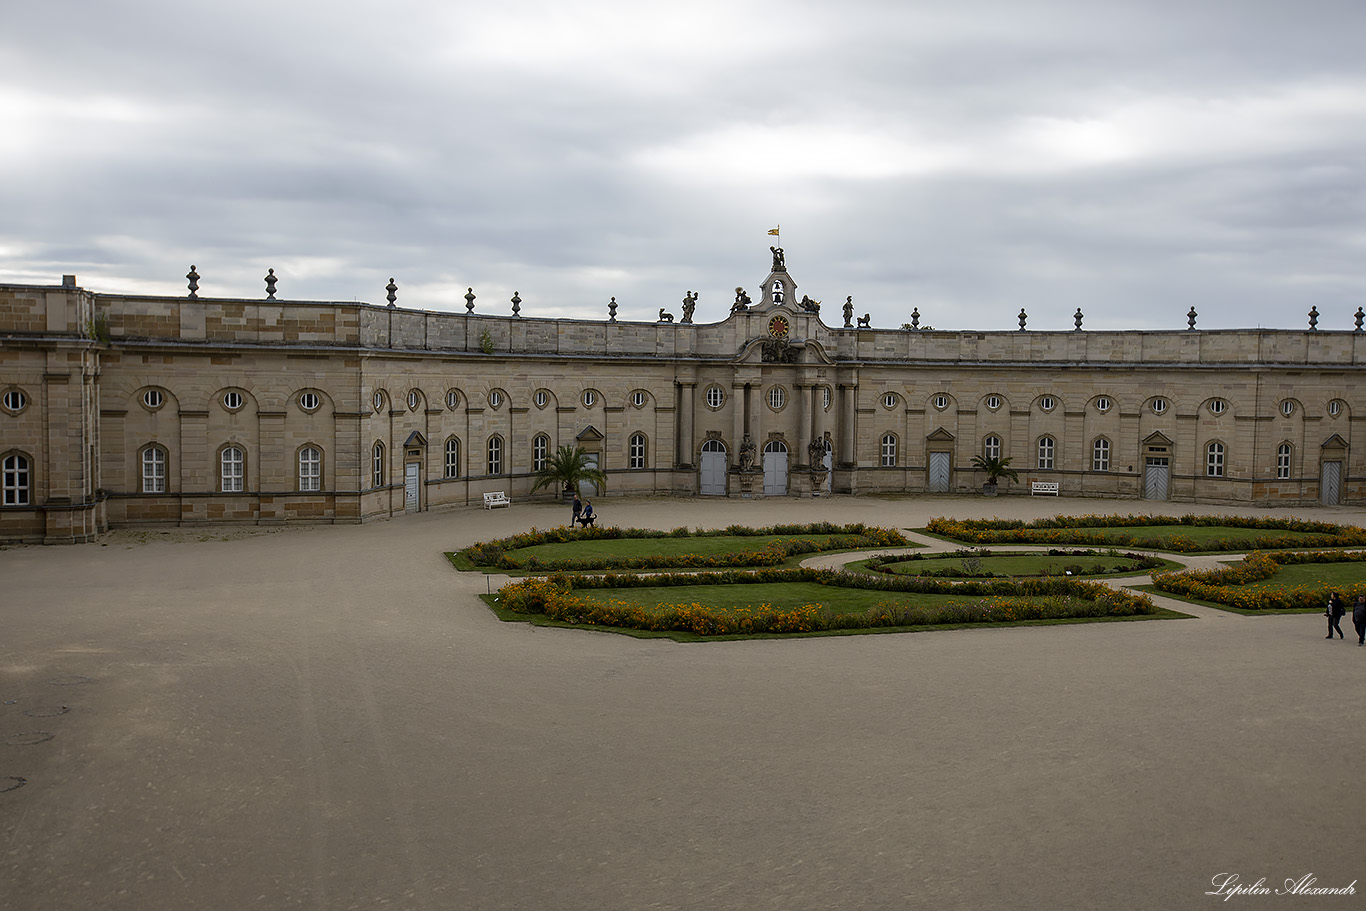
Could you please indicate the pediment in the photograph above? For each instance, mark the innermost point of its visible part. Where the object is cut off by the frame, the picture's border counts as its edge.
(1334, 442)
(1157, 439)
(415, 439)
(940, 435)
(589, 433)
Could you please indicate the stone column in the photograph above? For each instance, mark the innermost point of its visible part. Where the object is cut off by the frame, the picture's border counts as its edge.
(845, 457)
(686, 417)
(802, 394)
(739, 394)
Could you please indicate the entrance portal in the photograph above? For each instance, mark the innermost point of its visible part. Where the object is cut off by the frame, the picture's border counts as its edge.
(775, 468)
(711, 481)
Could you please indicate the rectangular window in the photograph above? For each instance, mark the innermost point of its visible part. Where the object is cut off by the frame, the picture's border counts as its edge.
(495, 455)
(1283, 463)
(310, 469)
(1046, 452)
(1100, 456)
(233, 473)
(377, 468)
(16, 481)
(540, 450)
(1214, 463)
(889, 451)
(452, 458)
(153, 470)
(991, 447)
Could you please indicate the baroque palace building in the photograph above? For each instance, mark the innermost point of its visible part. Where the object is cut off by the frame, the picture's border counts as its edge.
(149, 410)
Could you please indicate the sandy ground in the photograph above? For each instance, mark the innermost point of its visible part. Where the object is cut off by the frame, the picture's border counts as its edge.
(327, 718)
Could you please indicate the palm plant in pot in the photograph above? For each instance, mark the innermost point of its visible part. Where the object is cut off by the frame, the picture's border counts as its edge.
(995, 469)
(567, 467)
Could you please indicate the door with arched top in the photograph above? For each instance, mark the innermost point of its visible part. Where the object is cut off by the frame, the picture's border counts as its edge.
(711, 481)
(775, 468)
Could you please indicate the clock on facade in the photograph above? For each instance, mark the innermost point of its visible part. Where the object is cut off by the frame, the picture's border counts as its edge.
(777, 327)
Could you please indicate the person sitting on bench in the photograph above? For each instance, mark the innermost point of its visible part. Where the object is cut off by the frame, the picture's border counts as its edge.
(586, 517)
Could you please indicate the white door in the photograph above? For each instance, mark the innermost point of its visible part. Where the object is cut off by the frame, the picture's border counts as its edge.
(775, 469)
(588, 488)
(940, 463)
(1330, 483)
(828, 460)
(712, 469)
(410, 502)
(1155, 479)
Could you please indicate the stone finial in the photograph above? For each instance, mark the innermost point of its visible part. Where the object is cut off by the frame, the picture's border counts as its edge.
(469, 300)
(915, 318)
(1313, 319)
(1361, 315)
(270, 284)
(1076, 318)
(612, 310)
(393, 291)
(1023, 318)
(193, 276)
(516, 304)
(1190, 317)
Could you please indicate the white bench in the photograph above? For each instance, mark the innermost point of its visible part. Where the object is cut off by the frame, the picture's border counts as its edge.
(497, 498)
(1048, 488)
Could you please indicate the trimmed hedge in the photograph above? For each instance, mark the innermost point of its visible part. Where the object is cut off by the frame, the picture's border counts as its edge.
(1072, 530)
(843, 537)
(1030, 599)
(1228, 585)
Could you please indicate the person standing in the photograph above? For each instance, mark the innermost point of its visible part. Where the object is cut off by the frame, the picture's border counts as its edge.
(1335, 611)
(578, 508)
(1359, 619)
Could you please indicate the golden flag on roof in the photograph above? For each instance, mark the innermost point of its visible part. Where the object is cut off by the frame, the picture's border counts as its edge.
(774, 230)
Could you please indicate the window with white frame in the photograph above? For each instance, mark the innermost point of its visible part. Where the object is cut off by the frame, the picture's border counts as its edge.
(590, 398)
(1334, 408)
(1214, 460)
(1159, 405)
(17, 480)
(452, 458)
(889, 400)
(232, 400)
(715, 396)
(153, 398)
(310, 468)
(377, 400)
(993, 402)
(941, 402)
(377, 465)
(1217, 406)
(1048, 403)
(991, 446)
(232, 464)
(777, 398)
(826, 397)
(495, 455)
(1103, 404)
(309, 401)
(636, 454)
(540, 452)
(452, 399)
(14, 400)
(1046, 448)
(889, 450)
(495, 399)
(153, 470)
(413, 399)
(542, 398)
(638, 399)
(1283, 462)
(1287, 408)
(1100, 455)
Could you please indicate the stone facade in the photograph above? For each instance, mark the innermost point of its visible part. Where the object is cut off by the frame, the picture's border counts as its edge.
(133, 410)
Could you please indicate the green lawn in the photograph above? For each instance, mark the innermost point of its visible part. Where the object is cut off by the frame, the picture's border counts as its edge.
(1249, 538)
(1021, 564)
(786, 595)
(1313, 574)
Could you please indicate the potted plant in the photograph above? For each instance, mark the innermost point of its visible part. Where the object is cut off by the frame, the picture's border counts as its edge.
(567, 467)
(995, 469)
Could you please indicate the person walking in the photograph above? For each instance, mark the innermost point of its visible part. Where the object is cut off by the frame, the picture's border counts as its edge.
(1335, 611)
(578, 508)
(1359, 619)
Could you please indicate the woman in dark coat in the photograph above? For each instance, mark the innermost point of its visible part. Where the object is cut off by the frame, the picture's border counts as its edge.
(1335, 611)
(1359, 619)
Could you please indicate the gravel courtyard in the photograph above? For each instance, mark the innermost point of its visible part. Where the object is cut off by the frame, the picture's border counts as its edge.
(328, 718)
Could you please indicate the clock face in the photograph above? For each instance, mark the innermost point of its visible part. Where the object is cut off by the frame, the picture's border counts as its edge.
(777, 327)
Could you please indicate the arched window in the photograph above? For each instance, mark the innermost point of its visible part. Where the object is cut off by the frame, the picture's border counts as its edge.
(637, 451)
(540, 452)
(889, 450)
(1214, 460)
(495, 460)
(991, 446)
(310, 468)
(1100, 455)
(153, 470)
(377, 465)
(453, 458)
(1046, 447)
(232, 469)
(17, 480)
(1283, 462)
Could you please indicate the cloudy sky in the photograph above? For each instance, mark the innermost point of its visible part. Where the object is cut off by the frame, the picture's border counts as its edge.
(967, 159)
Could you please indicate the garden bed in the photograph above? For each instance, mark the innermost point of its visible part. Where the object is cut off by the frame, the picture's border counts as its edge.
(1258, 584)
(984, 564)
(1178, 534)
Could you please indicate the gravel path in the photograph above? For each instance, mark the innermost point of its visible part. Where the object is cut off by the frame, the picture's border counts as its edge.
(328, 718)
